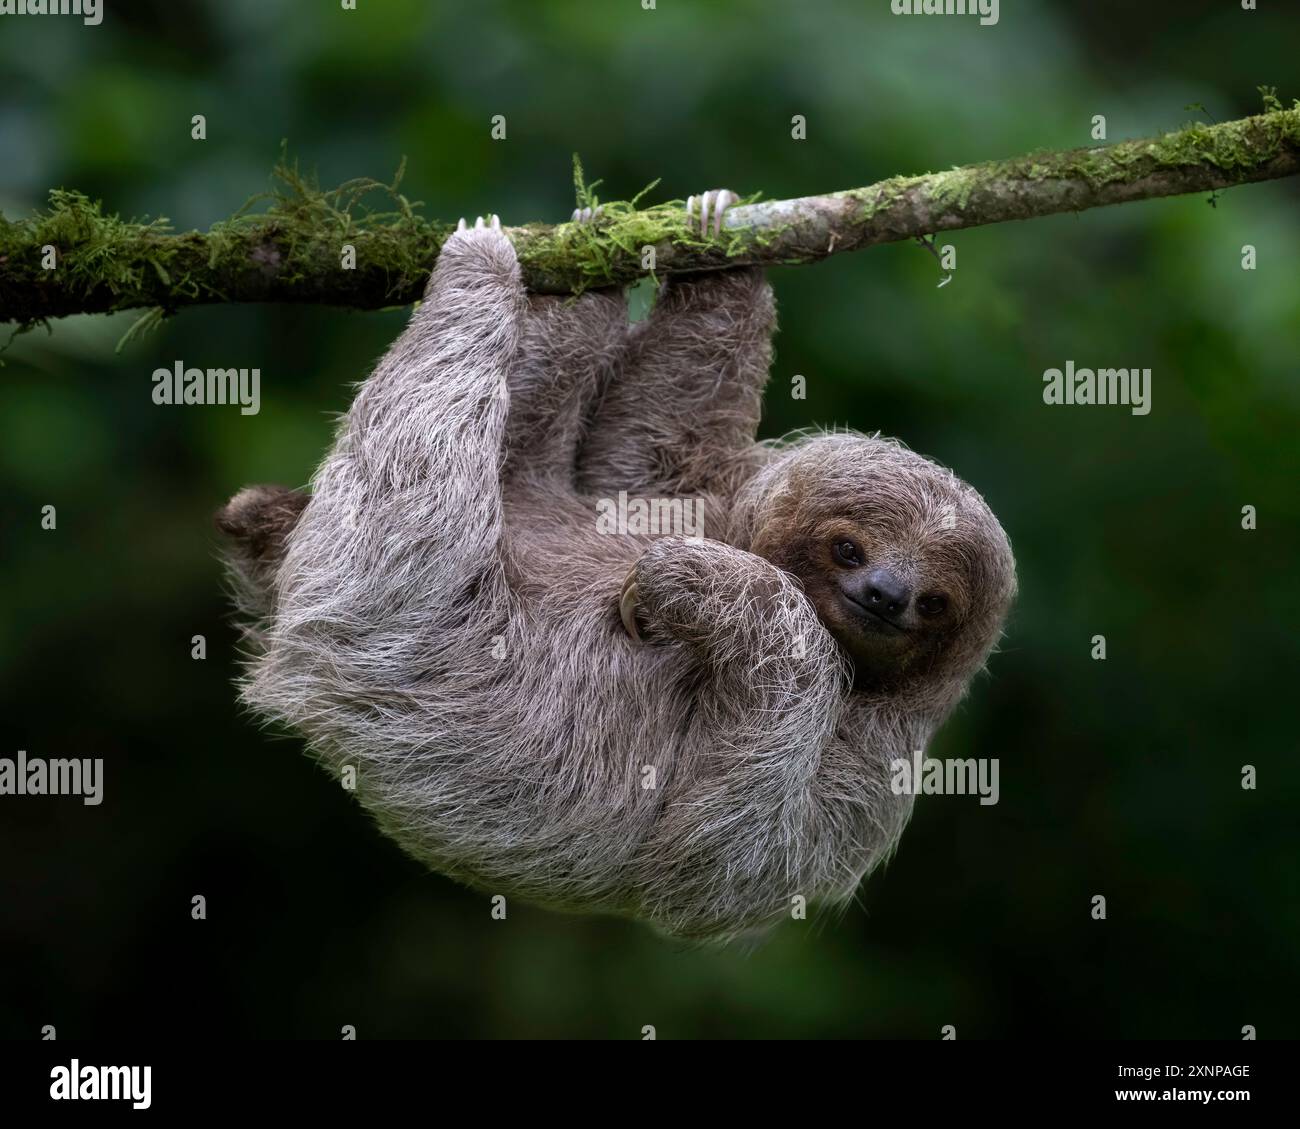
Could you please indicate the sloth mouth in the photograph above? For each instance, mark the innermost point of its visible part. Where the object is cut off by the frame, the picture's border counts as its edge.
(871, 614)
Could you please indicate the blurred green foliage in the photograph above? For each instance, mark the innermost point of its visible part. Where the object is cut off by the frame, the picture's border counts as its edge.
(1118, 777)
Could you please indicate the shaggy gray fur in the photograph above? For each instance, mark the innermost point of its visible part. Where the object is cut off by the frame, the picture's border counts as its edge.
(445, 616)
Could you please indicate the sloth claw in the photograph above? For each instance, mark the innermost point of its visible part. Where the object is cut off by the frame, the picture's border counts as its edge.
(712, 204)
(628, 602)
(493, 223)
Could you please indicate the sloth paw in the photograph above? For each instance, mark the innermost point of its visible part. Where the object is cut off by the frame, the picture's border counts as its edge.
(711, 206)
(586, 215)
(483, 248)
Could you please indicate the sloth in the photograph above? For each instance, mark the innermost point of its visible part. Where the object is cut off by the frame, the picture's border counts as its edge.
(693, 731)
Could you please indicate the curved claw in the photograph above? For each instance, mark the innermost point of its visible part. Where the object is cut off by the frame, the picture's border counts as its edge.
(712, 204)
(628, 602)
(493, 221)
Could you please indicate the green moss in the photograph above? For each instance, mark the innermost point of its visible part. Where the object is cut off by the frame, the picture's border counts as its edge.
(607, 250)
(884, 195)
(104, 243)
(311, 224)
(1229, 146)
(951, 191)
(289, 238)
(1235, 146)
(284, 244)
(296, 227)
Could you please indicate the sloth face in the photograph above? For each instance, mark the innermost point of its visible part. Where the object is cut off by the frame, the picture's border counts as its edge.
(905, 564)
(893, 598)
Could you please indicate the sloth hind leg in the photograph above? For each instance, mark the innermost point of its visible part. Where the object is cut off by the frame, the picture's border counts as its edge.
(257, 522)
(569, 349)
(682, 413)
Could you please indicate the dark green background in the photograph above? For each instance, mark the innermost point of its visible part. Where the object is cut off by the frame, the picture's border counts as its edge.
(1118, 778)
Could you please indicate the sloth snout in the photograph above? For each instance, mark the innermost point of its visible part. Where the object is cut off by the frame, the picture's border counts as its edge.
(883, 592)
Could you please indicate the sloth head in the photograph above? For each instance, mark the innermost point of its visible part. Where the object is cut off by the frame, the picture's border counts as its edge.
(905, 564)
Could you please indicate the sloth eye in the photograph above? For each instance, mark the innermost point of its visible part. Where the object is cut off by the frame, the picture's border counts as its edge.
(846, 552)
(931, 605)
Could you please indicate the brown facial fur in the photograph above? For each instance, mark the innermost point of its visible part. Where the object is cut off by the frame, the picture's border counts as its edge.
(915, 520)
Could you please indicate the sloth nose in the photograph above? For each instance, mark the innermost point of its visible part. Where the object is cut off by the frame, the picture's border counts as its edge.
(886, 593)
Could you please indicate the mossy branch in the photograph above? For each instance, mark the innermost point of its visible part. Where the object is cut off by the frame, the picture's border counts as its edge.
(292, 251)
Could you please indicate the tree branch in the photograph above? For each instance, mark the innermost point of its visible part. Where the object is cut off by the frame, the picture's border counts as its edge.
(293, 251)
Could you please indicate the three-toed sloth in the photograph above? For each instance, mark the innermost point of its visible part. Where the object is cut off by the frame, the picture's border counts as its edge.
(693, 731)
